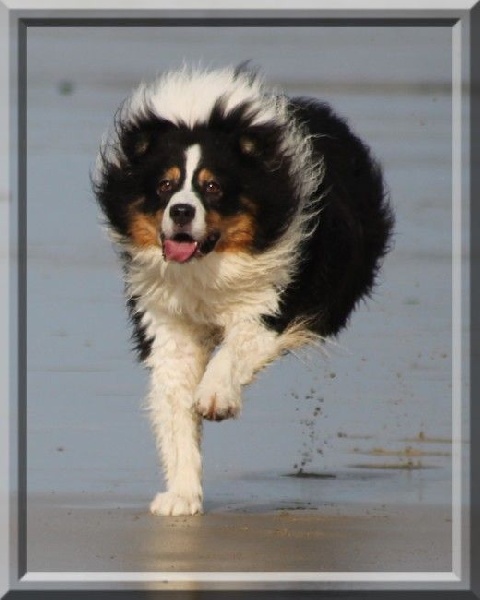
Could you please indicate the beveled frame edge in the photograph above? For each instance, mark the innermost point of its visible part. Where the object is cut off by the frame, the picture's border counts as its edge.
(464, 21)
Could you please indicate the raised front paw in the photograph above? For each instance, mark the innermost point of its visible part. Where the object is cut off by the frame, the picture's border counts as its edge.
(218, 402)
(175, 505)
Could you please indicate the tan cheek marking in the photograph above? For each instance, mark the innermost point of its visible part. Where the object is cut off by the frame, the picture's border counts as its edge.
(144, 229)
(237, 232)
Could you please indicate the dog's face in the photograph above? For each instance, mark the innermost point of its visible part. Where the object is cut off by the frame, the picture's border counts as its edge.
(193, 201)
(193, 192)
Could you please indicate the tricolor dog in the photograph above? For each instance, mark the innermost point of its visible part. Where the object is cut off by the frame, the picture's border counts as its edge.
(248, 224)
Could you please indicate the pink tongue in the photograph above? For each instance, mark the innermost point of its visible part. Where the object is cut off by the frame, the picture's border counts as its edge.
(179, 251)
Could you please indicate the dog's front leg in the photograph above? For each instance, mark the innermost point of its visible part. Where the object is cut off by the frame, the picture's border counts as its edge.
(177, 362)
(247, 347)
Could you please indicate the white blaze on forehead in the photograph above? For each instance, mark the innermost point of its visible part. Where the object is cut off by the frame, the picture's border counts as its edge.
(193, 155)
(186, 195)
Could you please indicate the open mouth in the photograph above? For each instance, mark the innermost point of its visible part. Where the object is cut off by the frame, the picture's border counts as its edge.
(182, 247)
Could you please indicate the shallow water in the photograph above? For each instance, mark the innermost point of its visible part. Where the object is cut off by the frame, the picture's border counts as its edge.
(370, 421)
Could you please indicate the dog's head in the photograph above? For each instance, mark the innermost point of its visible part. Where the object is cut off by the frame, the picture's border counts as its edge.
(188, 187)
(191, 192)
(193, 200)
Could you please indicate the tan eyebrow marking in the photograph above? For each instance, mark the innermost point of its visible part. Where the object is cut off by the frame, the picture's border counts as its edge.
(205, 175)
(172, 173)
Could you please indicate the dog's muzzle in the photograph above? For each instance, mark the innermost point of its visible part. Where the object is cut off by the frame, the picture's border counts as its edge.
(181, 240)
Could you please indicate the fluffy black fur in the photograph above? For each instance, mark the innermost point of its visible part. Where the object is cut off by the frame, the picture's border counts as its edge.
(341, 259)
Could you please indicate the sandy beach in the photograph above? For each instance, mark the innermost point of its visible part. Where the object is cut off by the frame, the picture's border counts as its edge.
(372, 538)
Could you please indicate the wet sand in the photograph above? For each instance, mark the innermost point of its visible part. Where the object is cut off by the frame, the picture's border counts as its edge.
(92, 535)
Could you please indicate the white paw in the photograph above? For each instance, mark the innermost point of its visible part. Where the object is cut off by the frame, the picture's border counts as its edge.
(171, 504)
(216, 401)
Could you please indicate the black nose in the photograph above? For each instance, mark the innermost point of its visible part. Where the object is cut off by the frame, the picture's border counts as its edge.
(182, 214)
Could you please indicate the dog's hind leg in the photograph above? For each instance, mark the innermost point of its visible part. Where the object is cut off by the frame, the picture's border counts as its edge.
(177, 361)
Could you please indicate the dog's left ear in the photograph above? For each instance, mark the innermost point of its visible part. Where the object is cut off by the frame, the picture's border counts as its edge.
(261, 144)
(247, 145)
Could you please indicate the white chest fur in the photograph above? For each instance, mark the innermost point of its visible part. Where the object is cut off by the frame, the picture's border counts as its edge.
(213, 291)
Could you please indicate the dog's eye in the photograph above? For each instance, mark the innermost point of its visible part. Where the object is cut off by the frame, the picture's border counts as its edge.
(166, 185)
(212, 187)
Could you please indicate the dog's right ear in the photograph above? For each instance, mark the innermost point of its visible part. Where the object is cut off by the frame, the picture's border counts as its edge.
(141, 143)
(137, 139)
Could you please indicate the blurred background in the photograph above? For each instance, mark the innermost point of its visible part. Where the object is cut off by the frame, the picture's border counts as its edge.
(369, 417)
